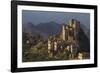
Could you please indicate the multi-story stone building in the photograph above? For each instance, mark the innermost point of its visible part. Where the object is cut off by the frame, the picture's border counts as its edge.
(69, 35)
(70, 31)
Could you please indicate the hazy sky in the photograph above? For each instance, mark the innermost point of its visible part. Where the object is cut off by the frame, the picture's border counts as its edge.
(37, 17)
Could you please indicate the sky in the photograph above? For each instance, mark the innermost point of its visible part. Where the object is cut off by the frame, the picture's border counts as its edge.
(37, 17)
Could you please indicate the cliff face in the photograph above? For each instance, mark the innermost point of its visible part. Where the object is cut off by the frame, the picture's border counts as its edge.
(84, 41)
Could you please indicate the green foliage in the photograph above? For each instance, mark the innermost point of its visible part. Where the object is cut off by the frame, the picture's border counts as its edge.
(40, 53)
(36, 49)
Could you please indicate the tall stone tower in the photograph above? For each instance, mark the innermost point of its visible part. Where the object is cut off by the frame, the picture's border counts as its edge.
(49, 46)
(55, 46)
(63, 32)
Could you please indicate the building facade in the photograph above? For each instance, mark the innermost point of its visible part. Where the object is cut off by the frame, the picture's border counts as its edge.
(68, 38)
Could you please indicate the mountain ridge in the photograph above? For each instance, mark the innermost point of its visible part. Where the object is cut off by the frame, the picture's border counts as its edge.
(48, 29)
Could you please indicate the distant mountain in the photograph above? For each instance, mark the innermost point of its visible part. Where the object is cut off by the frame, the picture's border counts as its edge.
(49, 28)
(44, 29)
(29, 27)
(32, 30)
